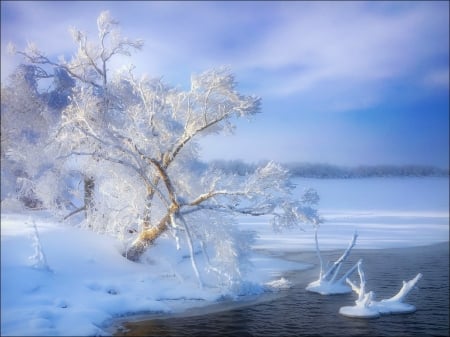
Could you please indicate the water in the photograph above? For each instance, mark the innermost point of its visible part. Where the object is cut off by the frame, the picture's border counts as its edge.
(296, 312)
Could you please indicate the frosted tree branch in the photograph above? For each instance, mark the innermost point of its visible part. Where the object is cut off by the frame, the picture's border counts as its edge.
(190, 245)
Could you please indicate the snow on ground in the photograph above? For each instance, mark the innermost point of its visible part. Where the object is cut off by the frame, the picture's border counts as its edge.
(90, 283)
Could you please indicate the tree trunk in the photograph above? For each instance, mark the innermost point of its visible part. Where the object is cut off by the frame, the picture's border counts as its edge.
(147, 220)
(89, 185)
(146, 238)
(150, 234)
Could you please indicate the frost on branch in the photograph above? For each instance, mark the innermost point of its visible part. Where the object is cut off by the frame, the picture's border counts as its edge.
(327, 284)
(366, 306)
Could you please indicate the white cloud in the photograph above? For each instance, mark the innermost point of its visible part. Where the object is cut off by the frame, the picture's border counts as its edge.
(318, 56)
(294, 46)
(347, 44)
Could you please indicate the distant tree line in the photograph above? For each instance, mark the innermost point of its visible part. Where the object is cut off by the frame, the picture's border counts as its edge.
(323, 171)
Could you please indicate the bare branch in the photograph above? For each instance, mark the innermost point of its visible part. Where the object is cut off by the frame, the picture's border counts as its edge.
(78, 210)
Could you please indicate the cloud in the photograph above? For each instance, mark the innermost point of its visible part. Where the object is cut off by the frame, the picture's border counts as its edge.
(293, 46)
(304, 58)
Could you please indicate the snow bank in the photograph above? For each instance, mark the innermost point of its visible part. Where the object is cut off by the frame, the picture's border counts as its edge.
(88, 281)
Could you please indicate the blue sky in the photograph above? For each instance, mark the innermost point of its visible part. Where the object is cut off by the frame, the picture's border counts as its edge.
(346, 83)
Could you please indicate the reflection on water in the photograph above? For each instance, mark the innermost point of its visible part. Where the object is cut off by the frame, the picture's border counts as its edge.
(296, 312)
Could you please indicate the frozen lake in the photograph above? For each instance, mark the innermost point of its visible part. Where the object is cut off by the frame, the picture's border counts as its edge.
(386, 213)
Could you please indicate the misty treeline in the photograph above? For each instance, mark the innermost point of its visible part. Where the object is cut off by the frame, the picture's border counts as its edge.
(324, 171)
(112, 151)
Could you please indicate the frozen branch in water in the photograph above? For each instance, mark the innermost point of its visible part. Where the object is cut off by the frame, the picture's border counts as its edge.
(366, 307)
(327, 283)
(404, 291)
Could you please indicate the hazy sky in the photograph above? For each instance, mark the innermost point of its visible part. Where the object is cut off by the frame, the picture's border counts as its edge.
(344, 83)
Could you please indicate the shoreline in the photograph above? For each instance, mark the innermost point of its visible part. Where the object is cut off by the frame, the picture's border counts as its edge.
(299, 278)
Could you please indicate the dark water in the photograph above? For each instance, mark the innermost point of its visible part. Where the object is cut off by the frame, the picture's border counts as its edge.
(296, 312)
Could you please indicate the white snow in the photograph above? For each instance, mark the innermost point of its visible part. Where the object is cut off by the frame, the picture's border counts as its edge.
(88, 283)
(376, 309)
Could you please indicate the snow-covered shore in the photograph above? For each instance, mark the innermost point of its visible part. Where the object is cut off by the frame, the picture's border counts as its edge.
(90, 283)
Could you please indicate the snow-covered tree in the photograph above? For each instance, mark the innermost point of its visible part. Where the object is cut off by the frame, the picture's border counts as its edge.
(137, 138)
(26, 120)
(29, 110)
(90, 68)
(148, 155)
